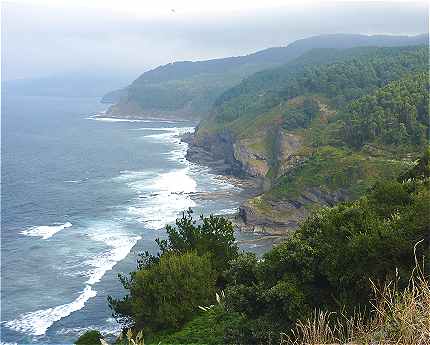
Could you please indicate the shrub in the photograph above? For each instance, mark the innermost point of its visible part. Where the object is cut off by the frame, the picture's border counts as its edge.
(212, 235)
(89, 338)
(397, 317)
(167, 294)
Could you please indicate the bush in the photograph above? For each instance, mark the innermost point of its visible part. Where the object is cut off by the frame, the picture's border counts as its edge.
(167, 294)
(209, 327)
(328, 262)
(397, 317)
(212, 235)
(89, 338)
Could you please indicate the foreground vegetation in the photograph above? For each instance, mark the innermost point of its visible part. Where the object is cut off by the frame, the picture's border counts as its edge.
(338, 262)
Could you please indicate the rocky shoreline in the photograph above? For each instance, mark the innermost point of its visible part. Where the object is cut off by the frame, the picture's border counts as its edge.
(278, 217)
(223, 162)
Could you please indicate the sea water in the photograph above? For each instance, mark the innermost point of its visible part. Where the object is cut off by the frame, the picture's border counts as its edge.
(81, 197)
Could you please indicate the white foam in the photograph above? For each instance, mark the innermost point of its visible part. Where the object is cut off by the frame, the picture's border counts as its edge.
(120, 245)
(226, 211)
(169, 196)
(114, 119)
(162, 129)
(162, 196)
(120, 119)
(173, 134)
(45, 231)
(111, 327)
(37, 322)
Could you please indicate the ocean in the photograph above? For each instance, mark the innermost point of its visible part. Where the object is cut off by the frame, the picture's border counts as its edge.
(81, 197)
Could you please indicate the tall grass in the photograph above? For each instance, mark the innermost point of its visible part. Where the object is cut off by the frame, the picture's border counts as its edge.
(400, 317)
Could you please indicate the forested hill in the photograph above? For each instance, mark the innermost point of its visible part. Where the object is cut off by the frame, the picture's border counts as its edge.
(189, 89)
(319, 133)
(351, 73)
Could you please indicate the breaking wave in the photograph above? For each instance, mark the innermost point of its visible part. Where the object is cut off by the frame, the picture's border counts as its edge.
(45, 231)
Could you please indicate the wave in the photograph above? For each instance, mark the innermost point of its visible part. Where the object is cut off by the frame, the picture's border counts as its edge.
(160, 197)
(45, 231)
(124, 119)
(111, 327)
(173, 134)
(76, 181)
(120, 245)
(228, 211)
(37, 322)
(169, 196)
(115, 119)
(162, 129)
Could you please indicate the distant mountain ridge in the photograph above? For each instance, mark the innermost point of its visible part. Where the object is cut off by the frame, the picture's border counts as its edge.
(187, 89)
(72, 84)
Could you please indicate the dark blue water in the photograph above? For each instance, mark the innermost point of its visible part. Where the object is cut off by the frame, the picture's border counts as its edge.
(80, 197)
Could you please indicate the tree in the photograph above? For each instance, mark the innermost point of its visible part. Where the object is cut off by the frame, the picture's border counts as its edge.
(212, 235)
(167, 294)
(89, 338)
(329, 261)
(167, 288)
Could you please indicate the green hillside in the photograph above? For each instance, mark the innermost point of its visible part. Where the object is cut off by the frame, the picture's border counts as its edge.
(322, 133)
(328, 264)
(189, 89)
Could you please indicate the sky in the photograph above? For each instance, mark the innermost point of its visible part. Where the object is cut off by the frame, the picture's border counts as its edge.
(127, 37)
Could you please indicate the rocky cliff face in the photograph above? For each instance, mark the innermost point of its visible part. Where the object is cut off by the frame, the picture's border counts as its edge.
(284, 215)
(274, 152)
(244, 159)
(216, 151)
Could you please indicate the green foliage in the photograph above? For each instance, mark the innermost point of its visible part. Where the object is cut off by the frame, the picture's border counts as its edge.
(89, 338)
(300, 114)
(167, 289)
(353, 74)
(396, 114)
(192, 87)
(334, 169)
(421, 169)
(329, 261)
(167, 294)
(213, 327)
(212, 235)
(195, 90)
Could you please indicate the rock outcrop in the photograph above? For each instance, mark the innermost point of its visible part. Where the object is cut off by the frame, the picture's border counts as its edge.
(281, 216)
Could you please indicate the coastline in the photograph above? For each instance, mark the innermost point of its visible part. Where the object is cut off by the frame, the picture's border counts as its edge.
(250, 187)
(244, 220)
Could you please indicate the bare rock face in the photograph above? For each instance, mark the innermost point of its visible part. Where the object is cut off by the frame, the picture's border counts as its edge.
(283, 216)
(252, 158)
(217, 152)
(288, 152)
(253, 163)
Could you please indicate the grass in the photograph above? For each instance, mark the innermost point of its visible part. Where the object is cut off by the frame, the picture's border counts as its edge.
(399, 317)
(332, 169)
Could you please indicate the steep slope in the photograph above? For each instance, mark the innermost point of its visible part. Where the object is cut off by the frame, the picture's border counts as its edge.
(319, 134)
(188, 89)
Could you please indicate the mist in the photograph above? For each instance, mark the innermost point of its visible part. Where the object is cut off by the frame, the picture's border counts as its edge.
(41, 40)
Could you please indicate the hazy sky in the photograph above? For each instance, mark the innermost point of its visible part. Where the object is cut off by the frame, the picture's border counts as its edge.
(45, 37)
